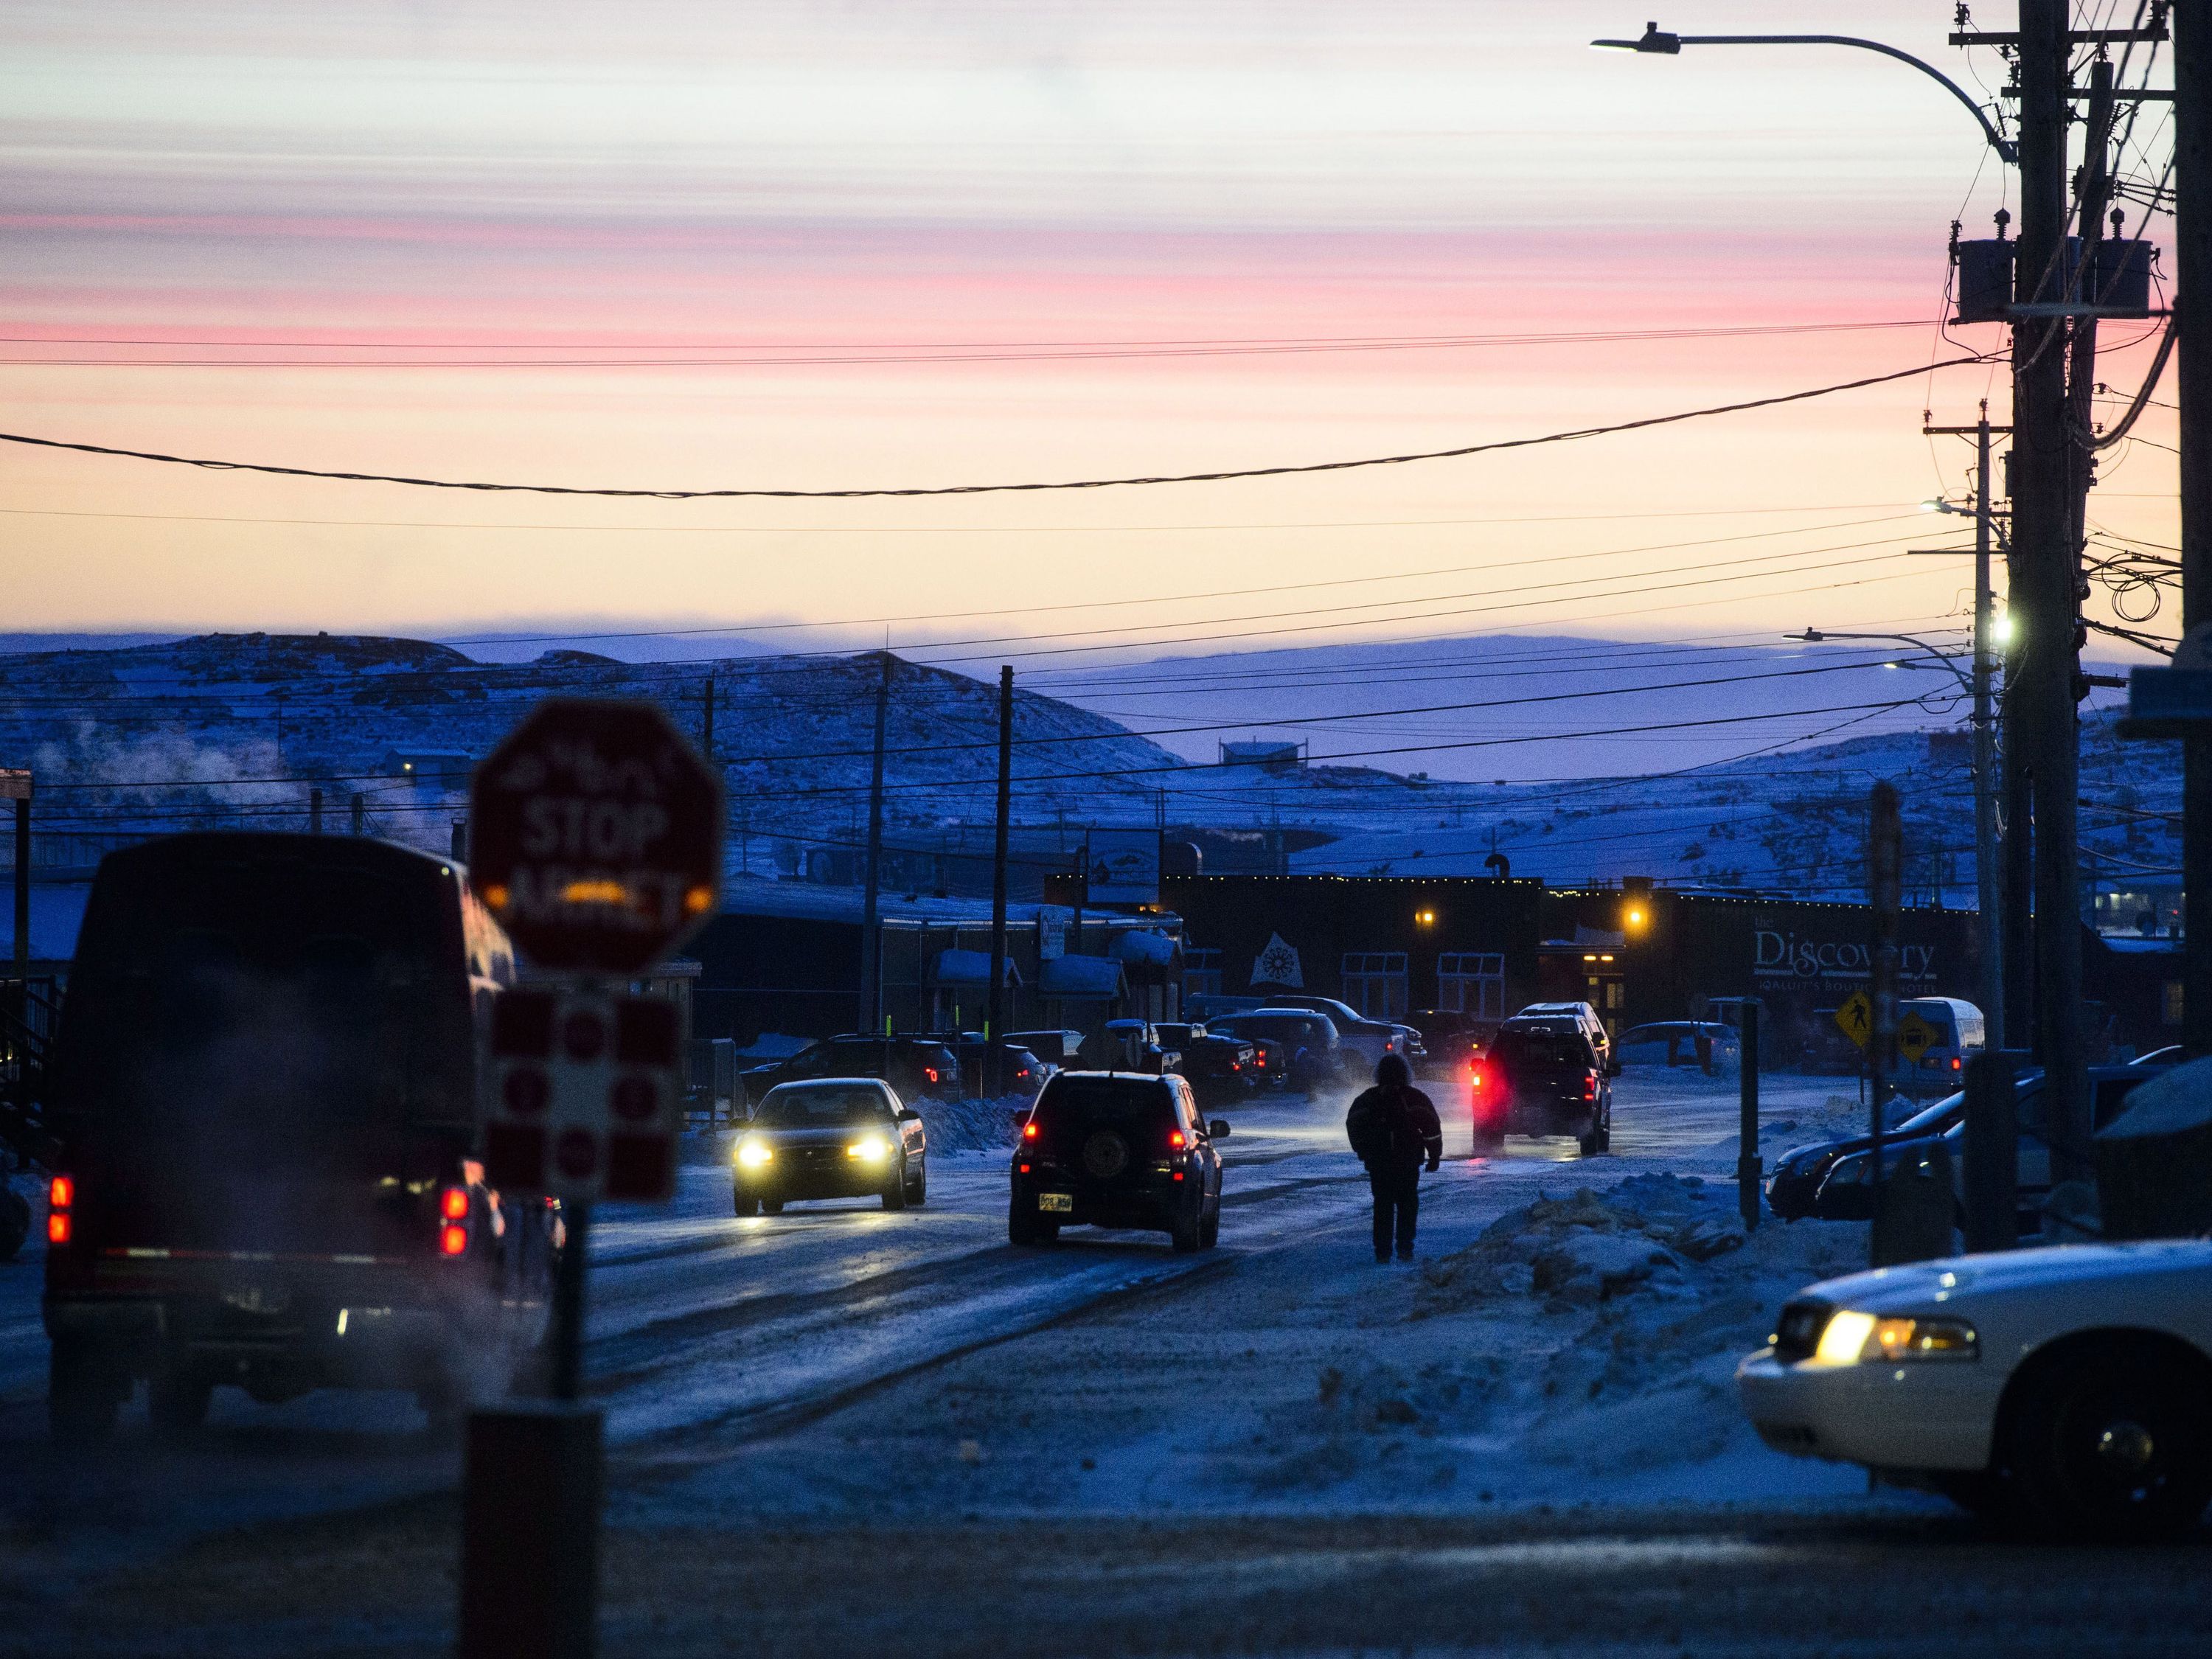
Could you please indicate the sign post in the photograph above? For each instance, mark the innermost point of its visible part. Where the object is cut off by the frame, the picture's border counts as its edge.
(597, 831)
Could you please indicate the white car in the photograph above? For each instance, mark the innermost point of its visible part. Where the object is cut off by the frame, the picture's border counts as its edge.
(2070, 1388)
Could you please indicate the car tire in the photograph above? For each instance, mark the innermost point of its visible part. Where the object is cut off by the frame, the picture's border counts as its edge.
(1187, 1232)
(895, 1193)
(83, 1393)
(1209, 1230)
(918, 1194)
(1590, 1145)
(1488, 1143)
(745, 1205)
(771, 1206)
(1025, 1230)
(177, 1400)
(1978, 1491)
(2110, 1444)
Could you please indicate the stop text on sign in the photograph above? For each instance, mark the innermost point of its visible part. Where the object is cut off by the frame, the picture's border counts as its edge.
(597, 836)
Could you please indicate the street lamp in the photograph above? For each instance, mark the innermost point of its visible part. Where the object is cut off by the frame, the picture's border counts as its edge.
(1816, 636)
(1654, 40)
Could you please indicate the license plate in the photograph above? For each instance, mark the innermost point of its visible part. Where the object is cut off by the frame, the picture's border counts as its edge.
(1056, 1201)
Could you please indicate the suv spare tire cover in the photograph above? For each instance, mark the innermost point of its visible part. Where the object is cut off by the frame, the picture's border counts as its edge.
(1105, 1154)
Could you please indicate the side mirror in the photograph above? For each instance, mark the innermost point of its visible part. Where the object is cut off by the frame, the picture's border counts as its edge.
(1219, 1128)
(1613, 1068)
(907, 1115)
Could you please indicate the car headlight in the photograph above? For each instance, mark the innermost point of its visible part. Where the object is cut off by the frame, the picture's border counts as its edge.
(752, 1153)
(1852, 1338)
(873, 1148)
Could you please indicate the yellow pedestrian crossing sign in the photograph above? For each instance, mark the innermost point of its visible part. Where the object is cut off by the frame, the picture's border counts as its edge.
(1856, 1018)
(1915, 1037)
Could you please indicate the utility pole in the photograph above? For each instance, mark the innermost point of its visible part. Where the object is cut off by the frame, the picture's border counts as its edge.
(1985, 755)
(2045, 604)
(871, 962)
(1990, 897)
(994, 1032)
(2192, 250)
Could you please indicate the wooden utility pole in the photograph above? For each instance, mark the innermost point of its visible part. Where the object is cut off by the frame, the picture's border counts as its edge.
(994, 1033)
(871, 958)
(2192, 250)
(2045, 606)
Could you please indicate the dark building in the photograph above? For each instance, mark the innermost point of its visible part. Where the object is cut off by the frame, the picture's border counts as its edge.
(1657, 953)
(1386, 944)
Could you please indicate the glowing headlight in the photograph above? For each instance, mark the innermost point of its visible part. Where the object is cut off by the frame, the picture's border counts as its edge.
(752, 1154)
(874, 1148)
(1852, 1337)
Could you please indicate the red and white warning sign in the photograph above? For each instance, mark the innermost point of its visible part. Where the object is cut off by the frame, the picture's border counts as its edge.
(586, 1095)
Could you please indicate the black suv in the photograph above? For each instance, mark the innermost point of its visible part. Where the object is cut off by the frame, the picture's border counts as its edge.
(914, 1066)
(1541, 1076)
(1218, 1068)
(1111, 1149)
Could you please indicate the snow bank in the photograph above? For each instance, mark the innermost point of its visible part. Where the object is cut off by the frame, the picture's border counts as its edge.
(1642, 1233)
(973, 1126)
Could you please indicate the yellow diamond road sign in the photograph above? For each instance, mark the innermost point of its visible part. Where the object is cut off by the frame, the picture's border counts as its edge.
(1915, 1037)
(1856, 1018)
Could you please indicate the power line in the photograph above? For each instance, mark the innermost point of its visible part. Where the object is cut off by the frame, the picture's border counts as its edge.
(877, 492)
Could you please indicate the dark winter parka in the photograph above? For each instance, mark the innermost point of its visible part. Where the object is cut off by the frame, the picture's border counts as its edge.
(1393, 1126)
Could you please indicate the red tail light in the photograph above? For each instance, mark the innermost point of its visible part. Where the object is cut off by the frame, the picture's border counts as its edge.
(930, 1071)
(1029, 1131)
(1589, 1086)
(61, 1193)
(1176, 1139)
(453, 1239)
(1474, 1077)
(1261, 1059)
(1025, 1168)
(453, 1204)
(1957, 1064)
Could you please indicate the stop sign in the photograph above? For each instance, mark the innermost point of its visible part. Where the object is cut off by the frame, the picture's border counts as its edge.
(596, 836)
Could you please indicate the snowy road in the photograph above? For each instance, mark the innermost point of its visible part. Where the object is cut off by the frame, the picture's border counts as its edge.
(1312, 1420)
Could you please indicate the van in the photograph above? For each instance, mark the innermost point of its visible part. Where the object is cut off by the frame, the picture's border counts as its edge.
(1961, 1034)
(265, 1092)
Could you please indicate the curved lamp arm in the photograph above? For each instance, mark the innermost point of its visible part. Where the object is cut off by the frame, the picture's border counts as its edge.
(1655, 39)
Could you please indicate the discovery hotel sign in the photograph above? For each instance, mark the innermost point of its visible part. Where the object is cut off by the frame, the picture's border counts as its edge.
(1785, 955)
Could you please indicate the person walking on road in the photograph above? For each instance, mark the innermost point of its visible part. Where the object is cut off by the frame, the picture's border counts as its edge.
(1393, 1127)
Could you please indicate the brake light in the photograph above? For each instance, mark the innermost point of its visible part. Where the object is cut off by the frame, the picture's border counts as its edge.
(453, 1239)
(61, 1193)
(1174, 1137)
(1025, 1168)
(1957, 1064)
(1475, 1076)
(453, 1204)
(1029, 1131)
(930, 1071)
(1261, 1059)
(1589, 1086)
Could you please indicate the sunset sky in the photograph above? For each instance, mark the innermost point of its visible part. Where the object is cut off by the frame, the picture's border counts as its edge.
(700, 245)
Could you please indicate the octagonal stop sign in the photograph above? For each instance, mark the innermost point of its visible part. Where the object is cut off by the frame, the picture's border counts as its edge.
(596, 836)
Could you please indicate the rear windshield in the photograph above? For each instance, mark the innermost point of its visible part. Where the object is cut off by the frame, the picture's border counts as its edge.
(790, 1108)
(1093, 1101)
(1550, 1050)
(1280, 1027)
(281, 999)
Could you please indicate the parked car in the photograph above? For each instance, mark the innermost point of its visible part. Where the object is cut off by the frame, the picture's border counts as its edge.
(1586, 1021)
(2065, 1388)
(842, 1137)
(1449, 1042)
(1541, 1076)
(265, 1088)
(1135, 1045)
(1314, 1054)
(1371, 1039)
(1117, 1150)
(1794, 1184)
(1056, 1049)
(1005, 1068)
(1709, 1045)
(914, 1066)
(1219, 1067)
(1846, 1194)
